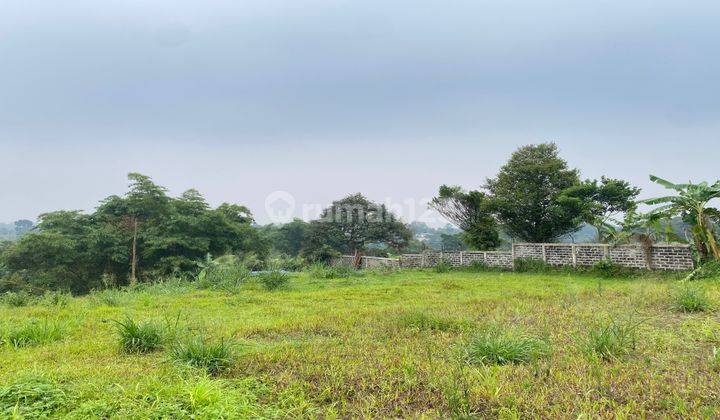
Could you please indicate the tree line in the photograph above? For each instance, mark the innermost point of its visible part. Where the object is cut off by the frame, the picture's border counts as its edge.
(535, 197)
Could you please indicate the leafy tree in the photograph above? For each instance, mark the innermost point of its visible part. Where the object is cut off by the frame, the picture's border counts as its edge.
(453, 242)
(473, 212)
(528, 198)
(604, 202)
(289, 238)
(350, 224)
(691, 202)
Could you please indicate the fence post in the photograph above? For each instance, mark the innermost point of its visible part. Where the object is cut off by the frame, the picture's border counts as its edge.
(574, 257)
(461, 259)
(544, 253)
(512, 256)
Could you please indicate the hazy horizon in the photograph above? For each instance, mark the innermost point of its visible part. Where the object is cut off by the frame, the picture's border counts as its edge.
(321, 99)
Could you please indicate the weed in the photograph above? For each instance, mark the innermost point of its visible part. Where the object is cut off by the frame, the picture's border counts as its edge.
(442, 266)
(612, 340)
(17, 299)
(531, 265)
(422, 321)
(31, 397)
(54, 298)
(495, 347)
(108, 297)
(213, 357)
(274, 279)
(608, 269)
(135, 337)
(324, 271)
(33, 333)
(690, 298)
(715, 360)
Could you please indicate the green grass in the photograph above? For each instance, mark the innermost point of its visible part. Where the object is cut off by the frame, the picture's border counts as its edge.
(690, 298)
(31, 333)
(134, 337)
(404, 344)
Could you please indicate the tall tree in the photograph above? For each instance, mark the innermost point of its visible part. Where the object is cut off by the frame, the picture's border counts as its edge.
(470, 211)
(604, 202)
(528, 195)
(22, 227)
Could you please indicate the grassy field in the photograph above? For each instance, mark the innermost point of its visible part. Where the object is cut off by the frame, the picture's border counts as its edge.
(404, 344)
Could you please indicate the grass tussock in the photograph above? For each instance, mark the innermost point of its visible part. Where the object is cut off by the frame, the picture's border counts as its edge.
(690, 298)
(424, 321)
(212, 356)
(505, 347)
(134, 337)
(612, 340)
(32, 333)
(17, 299)
(274, 279)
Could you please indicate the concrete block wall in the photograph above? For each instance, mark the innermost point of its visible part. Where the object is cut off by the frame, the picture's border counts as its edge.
(662, 256)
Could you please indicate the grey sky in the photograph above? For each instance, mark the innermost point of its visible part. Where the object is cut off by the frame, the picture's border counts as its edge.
(323, 98)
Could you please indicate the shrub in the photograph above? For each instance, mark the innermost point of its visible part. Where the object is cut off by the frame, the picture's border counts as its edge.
(134, 337)
(274, 279)
(531, 265)
(422, 321)
(33, 333)
(612, 340)
(608, 269)
(213, 357)
(18, 299)
(31, 397)
(710, 269)
(478, 266)
(109, 297)
(442, 266)
(324, 271)
(53, 298)
(690, 299)
(494, 347)
(223, 277)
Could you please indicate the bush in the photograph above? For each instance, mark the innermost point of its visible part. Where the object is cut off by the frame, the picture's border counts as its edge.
(478, 266)
(31, 397)
(33, 333)
(52, 298)
(612, 340)
(18, 299)
(213, 357)
(134, 337)
(442, 266)
(223, 277)
(498, 348)
(606, 268)
(324, 271)
(690, 299)
(710, 269)
(109, 297)
(274, 279)
(531, 265)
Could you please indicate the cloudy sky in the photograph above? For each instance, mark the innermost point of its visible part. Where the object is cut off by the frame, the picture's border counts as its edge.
(320, 98)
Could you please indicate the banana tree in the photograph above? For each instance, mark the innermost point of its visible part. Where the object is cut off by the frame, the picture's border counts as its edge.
(691, 202)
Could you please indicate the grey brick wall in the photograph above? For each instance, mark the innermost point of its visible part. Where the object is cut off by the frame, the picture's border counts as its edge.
(662, 256)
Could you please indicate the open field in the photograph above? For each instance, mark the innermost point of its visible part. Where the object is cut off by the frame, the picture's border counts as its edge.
(403, 344)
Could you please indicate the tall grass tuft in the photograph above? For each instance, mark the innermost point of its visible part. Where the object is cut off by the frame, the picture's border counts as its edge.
(690, 298)
(33, 333)
(442, 266)
(324, 271)
(612, 340)
(213, 357)
(17, 299)
(135, 337)
(55, 298)
(502, 348)
(422, 321)
(31, 397)
(274, 279)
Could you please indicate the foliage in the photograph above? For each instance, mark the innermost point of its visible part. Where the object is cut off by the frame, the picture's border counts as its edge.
(691, 203)
(31, 397)
(69, 250)
(612, 340)
(325, 271)
(288, 238)
(608, 269)
(17, 299)
(274, 279)
(709, 270)
(349, 225)
(502, 348)
(528, 195)
(424, 321)
(224, 273)
(472, 212)
(134, 337)
(212, 356)
(442, 266)
(33, 333)
(604, 202)
(531, 265)
(690, 298)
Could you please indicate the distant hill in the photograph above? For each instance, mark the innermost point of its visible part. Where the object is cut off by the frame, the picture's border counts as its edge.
(7, 232)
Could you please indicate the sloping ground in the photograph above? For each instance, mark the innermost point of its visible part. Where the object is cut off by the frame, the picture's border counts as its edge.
(383, 345)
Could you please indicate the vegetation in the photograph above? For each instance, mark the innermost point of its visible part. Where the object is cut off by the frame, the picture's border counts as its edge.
(136, 337)
(381, 345)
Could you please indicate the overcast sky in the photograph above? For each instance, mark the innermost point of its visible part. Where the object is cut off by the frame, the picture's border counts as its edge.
(321, 98)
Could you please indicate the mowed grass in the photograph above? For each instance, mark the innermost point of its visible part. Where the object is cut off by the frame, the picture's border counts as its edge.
(405, 344)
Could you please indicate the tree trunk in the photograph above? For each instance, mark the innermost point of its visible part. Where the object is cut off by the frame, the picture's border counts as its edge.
(133, 263)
